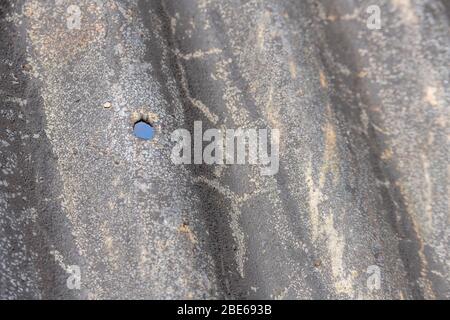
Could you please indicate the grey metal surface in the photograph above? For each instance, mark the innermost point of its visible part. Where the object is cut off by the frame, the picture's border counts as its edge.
(363, 177)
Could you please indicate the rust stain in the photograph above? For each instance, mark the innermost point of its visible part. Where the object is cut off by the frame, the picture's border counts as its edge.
(430, 96)
(330, 163)
(292, 68)
(323, 80)
(184, 228)
(386, 154)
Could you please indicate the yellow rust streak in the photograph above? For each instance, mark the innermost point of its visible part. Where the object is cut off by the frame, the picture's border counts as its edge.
(323, 224)
(330, 163)
(260, 29)
(184, 228)
(323, 80)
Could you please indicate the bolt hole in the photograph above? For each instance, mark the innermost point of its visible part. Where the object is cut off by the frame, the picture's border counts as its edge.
(143, 130)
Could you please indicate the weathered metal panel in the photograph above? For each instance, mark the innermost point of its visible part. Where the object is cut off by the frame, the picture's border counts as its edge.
(363, 149)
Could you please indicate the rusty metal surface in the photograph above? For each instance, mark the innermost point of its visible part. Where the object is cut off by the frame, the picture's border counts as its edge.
(363, 163)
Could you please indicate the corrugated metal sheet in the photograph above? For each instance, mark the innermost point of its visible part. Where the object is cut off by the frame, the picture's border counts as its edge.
(362, 184)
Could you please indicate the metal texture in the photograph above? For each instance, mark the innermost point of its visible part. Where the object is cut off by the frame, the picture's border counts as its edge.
(363, 173)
